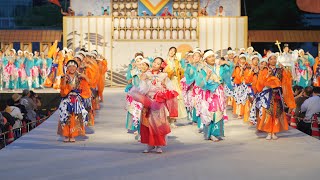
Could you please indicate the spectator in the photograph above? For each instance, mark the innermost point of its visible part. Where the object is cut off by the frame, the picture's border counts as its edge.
(70, 12)
(311, 106)
(297, 90)
(220, 12)
(36, 99)
(104, 11)
(29, 105)
(166, 12)
(16, 114)
(301, 97)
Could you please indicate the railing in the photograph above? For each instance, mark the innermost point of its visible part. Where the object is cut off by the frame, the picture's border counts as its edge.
(35, 123)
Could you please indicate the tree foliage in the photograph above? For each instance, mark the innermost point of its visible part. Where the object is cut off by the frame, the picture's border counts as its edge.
(42, 15)
(274, 15)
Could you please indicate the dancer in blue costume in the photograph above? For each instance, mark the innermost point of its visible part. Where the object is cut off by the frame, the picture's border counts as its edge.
(187, 84)
(197, 92)
(133, 107)
(29, 63)
(304, 69)
(10, 71)
(1, 69)
(22, 77)
(43, 69)
(36, 70)
(211, 79)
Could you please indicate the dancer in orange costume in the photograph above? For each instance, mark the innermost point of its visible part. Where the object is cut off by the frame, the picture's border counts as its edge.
(316, 71)
(274, 92)
(52, 54)
(73, 116)
(243, 77)
(103, 67)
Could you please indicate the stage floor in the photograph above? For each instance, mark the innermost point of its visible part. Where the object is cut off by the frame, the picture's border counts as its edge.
(110, 153)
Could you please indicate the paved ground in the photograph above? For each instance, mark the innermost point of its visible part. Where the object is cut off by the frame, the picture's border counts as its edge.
(110, 153)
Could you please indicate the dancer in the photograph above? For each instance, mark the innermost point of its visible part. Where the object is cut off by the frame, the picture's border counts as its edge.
(22, 76)
(211, 79)
(304, 69)
(10, 74)
(71, 110)
(156, 94)
(316, 71)
(275, 91)
(175, 73)
(243, 77)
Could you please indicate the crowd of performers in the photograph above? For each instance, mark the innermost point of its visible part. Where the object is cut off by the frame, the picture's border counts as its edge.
(202, 85)
(80, 78)
(81, 89)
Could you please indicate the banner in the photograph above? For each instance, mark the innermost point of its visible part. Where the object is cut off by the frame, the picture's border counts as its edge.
(154, 7)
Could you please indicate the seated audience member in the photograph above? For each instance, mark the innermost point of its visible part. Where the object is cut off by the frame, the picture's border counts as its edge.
(36, 99)
(220, 12)
(311, 106)
(297, 90)
(29, 104)
(303, 95)
(16, 114)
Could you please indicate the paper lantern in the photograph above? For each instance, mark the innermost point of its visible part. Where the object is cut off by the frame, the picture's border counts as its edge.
(180, 23)
(115, 14)
(180, 33)
(135, 23)
(168, 33)
(195, 6)
(168, 23)
(115, 6)
(193, 34)
(182, 6)
(122, 22)
(128, 34)
(174, 34)
(134, 5)
(187, 22)
(128, 5)
(148, 22)
(115, 34)
(116, 22)
(129, 14)
(141, 23)
(195, 14)
(135, 34)
(128, 23)
(121, 6)
(122, 33)
(141, 34)
(148, 34)
(155, 22)
(187, 34)
(174, 23)
(175, 5)
(194, 23)
(189, 6)
(154, 34)
(161, 22)
(161, 34)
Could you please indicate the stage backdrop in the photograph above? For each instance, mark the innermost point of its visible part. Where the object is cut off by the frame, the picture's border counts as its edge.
(223, 32)
(82, 7)
(96, 33)
(231, 7)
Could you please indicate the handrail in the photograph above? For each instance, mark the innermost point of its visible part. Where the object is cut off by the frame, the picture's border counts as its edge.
(23, 126)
